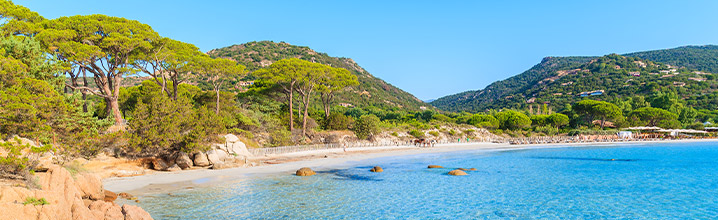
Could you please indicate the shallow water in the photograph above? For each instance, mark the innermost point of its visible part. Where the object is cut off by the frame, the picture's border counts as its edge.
(656, 181)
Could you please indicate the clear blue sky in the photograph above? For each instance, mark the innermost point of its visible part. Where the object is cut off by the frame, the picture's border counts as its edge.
(428, 48)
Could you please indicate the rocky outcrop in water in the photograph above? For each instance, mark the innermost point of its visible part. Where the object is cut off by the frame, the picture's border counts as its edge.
(434, 166)
(305, 171)
(377, 169)
(66, 197)
(457, 172)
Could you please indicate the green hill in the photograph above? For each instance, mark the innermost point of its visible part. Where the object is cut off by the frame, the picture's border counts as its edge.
(371, 91)
(702, 58)
(558, 81)
(503, 94)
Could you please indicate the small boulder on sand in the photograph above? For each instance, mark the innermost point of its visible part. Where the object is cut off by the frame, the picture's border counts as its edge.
(200, 160)
(305, 171)
(435, 166)
(219, 165)
(183, 161)
(377, 169)
(457, 173)
(159, 164)
(174, 168)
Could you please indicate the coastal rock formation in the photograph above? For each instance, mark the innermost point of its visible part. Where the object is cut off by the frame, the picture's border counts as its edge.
(457, 173)
(235, 147)
(44, 162)
(125, 195)
(159, 164)
(377, 169)
(106, 210)
(219, 165)
(174, 168)
(472, 169)
(135, 213)
(200, 160)
(110, 196)
(434, 166)
(183, 161)
(90, 186)
(305, 171)
(64, 195)
(214, 156)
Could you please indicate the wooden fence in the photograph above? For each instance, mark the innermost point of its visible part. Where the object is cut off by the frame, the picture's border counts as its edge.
(302, 148)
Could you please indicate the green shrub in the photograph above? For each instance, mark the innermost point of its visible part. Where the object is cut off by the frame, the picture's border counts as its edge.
(338, 121)
(548, 130)
(452, 132)
(35, 201)
(165, 126)
(513, 120)
(416, 133)
(395, 134)
(16, 166)
(434, 133)
(484, 121)
(366, 126)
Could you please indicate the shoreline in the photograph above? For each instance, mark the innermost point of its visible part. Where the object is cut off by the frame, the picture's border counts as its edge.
(318, 160)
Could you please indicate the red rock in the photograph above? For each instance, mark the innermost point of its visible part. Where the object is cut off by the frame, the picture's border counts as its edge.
(135, 213)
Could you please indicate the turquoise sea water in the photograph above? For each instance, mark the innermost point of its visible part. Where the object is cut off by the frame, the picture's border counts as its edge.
(650, 181)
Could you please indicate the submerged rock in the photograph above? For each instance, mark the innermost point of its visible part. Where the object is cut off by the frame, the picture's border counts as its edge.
(125, 195)
(305, 171)
(457, 173)
(110, 196)
(377, 169)
(435, 166)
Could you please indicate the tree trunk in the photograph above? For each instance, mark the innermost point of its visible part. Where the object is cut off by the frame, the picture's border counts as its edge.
(174, 90)
(217, 101)
(114, 108)
(84, 93)
(304, 118)
(291, 107)
(306, 113)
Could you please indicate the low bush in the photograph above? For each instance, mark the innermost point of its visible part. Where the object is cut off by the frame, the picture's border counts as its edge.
(434, 133)
(416, 133)
(35, 201)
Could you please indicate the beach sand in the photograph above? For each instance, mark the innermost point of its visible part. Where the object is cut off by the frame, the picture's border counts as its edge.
(317, 160)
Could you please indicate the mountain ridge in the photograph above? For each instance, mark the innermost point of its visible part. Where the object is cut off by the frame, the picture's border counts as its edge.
(371, 91)
(513, 90)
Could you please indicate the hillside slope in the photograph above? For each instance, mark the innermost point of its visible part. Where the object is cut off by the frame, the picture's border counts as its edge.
(702, 58)
(557, 81)
(371, 91)
(502, 94)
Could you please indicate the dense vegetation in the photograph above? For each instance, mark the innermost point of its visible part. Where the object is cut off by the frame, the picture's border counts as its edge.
(371, 91)
(702, 58)
(501, 94)
(616, 79)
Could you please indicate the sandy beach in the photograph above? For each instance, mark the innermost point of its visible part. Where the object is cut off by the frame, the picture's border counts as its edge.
(317, 160)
